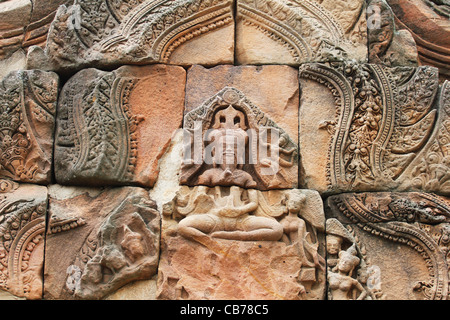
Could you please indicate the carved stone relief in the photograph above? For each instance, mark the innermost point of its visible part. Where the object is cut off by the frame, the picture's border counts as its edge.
(25, 23)
(387, 44)
(114, 241)
(428, 22)
(106, 32)
(400, 239)
(294, 32)
(22, 231)
(28, 106)
(368, 132)
(233, 243)
(108, 126)
(255, 109)
(225, 121)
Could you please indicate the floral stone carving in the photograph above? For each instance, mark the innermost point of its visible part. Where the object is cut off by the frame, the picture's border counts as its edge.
(401, 241)
(294, 32)
(115, 242)
(27, 111)
(233, 243)
(106, 32)
(375, 124)
(108, 125)
(230, 142)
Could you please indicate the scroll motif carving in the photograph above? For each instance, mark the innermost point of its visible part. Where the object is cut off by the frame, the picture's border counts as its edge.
(417, 220)
(104, 147)
(224, 225)
(306, 30)
(22, 229)
(431, 174)
(27, 106)
(384, 119)
(428, 22)
(102, 125)
(230, 120)
(131, 31)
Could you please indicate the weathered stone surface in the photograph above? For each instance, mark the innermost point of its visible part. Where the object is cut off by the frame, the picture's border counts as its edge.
(28, 105)
(431, 171)
(108, 33)
(372, 127)
(24, 23)
(294, 32)
(428, 22)
(243, 105)
(99, 240)
(109, 124)
(16, 62)
(232, 243)
(22, 233)
(398, 243)
(387, 45)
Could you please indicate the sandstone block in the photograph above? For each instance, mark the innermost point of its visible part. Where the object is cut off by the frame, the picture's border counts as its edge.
(246, 121)
(98, 241)
(389, 246)
(28, 105)
(387, 45)
(429, 24)
(294, 32)
(231, 243)
(367, 128)
(22, 234)
(113, 127)
(103, 34)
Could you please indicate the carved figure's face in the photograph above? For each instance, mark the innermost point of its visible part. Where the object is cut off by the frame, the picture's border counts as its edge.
(333, 245)
(229, 118)
(229, 132)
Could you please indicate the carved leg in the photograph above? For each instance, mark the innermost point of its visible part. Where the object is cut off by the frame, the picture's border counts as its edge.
(253, 229)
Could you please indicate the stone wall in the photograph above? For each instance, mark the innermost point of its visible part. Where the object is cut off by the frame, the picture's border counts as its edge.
(225, 149)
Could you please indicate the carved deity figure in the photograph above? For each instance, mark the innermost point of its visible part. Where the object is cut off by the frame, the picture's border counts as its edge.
(230, 218)
(230, 138)
(296, 233)
(231, 142)
(341, 283)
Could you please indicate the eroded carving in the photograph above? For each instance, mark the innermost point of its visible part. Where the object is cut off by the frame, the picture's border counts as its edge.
(27, 106)
(351, 275)
(22, 228)
(126, 250)
(428, 22)
(231, 225)
(302, 31)
(431, 173)
(417, 220)
(114, 242)
(109, 32)
(225, 138)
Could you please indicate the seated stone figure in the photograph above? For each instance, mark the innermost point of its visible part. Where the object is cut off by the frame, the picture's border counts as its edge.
(229, 138)
(231, 219)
